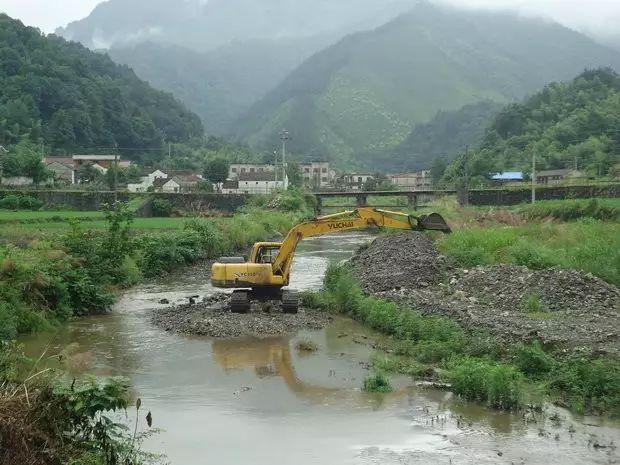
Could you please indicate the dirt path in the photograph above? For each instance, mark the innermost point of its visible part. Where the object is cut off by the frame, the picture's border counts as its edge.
(568, 310)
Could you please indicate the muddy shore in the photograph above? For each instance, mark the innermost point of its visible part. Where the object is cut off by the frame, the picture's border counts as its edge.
(567, 310)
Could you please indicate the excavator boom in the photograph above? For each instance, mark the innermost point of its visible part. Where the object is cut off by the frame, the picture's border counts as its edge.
(268, 269)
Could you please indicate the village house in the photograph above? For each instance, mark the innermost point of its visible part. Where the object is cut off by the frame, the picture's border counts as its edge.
(237, 169)
(62, 169)
(178, 182)
(356, 181)
(417, 181)
(554, 177)
(263, 182)
(61, 165)
(147, 177)
(507, 177)
(317, 173)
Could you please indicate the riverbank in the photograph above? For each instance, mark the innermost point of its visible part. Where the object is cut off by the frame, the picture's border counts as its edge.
(503, 335)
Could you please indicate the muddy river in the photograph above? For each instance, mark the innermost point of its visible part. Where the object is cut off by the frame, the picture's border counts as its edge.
(258, 401)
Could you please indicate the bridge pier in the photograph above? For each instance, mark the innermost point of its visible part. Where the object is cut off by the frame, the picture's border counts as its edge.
(412, 201)
(318, 209)
(361, 200)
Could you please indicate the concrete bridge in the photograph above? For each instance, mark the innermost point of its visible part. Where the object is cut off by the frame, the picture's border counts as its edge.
(360, 198)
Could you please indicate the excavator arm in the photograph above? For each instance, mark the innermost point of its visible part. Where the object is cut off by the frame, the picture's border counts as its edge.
(351, 220)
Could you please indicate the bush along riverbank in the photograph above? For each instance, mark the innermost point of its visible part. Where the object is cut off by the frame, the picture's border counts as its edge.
(476, 365)
(45, 282)
(46, 418)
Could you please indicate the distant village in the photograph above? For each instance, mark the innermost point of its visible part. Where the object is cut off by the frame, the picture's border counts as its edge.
(250, 178)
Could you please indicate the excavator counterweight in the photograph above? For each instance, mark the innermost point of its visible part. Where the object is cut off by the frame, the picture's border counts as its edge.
(265, 275)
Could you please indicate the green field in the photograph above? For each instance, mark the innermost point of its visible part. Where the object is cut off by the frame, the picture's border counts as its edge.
(25, 215)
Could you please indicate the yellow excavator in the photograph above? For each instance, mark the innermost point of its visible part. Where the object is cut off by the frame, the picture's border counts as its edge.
(268, 271)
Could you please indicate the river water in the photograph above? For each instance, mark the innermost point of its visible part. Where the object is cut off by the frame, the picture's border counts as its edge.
(258, 401)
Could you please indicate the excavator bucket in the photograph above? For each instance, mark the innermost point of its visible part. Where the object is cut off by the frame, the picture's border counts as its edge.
(433, 222)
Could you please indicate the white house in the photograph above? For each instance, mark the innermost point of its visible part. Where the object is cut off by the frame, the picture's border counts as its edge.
(255, 183)
(184, 182)
(317, 173)
(146, 180)
(420, 180)
(236, 169)
(356, 181)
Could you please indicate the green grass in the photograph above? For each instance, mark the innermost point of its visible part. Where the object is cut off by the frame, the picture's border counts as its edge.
(568, 210)
(588, 245)
(378, 382)
(373, 200)
(24, 215)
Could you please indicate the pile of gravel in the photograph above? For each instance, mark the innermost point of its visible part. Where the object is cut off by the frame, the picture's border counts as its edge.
(212, 318)
(395, 261)
(568, 310)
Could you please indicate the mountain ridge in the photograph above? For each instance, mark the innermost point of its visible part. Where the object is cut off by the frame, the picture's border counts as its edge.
(353, 97)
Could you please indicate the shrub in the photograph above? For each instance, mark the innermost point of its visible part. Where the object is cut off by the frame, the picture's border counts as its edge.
(499, 385)
(8, 322)
(162, 208)
(128, 273)
(314, 300)
(532, 303)
(588, 385)
(377, 382)
(533, 360)
(20, 202)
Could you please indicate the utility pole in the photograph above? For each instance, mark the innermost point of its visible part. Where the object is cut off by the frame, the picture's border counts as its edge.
(169, 150)
(275, 154)
(534, 178)
(284, 137)
(115, 172)
(466, 174)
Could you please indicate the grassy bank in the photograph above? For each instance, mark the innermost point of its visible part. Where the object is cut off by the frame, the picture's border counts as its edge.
(477, 366)
(588, 245)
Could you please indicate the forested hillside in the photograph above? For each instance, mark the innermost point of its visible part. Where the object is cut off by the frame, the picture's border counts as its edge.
(70, 98)
(445, 136)
(219, 85)
(214, 59)
(567, 125)
(365, 93)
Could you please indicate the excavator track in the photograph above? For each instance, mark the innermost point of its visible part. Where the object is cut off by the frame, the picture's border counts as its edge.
(240, 302)
(290, 301)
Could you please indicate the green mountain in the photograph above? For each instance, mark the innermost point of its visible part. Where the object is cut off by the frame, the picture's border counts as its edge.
(217, 61)
(445, 136)
(365, 93)
(566, 125)
(71, 98)
(219, 85)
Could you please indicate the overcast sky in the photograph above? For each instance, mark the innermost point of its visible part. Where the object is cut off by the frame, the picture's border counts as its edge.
(598, 17)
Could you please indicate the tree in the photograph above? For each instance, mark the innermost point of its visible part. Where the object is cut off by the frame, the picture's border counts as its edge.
(295, 178)
(216, 170)
(438, 169)
(87, 174)
(35, 168)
